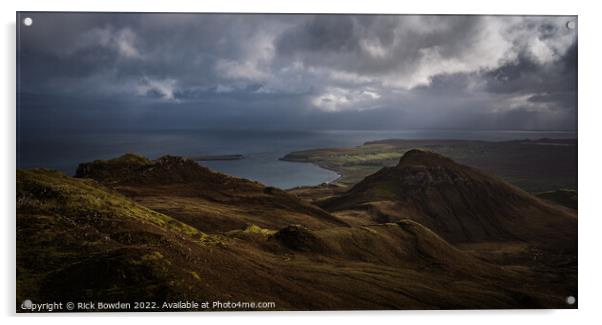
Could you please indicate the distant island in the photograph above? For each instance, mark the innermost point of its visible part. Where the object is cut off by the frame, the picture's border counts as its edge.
(216, 157)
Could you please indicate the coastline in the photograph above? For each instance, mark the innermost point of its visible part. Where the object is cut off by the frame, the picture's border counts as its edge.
(335, 180)
(353, 164)
(217, 157)
(339, 174)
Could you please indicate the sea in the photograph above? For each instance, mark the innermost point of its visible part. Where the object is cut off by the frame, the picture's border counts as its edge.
(261, 148)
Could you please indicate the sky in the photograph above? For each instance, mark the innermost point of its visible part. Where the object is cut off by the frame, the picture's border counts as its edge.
(100, 71)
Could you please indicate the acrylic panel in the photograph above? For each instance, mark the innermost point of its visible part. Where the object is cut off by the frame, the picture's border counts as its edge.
(266, 162)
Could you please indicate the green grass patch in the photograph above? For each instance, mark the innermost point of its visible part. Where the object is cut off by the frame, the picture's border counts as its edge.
(253, 229)
(46, 190)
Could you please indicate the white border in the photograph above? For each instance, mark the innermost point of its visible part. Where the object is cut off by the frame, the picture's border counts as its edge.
(590, 182)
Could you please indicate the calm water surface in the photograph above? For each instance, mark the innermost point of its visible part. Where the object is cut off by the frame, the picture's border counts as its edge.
(260, 148)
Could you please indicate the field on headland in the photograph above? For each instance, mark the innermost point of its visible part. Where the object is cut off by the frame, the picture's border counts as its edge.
(533, 165)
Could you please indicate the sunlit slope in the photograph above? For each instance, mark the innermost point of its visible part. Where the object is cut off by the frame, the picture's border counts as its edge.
(78, 239)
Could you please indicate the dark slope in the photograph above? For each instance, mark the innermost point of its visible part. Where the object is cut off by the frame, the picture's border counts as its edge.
(459, 203)
(78, 240)
(564, 197)
(209, 201)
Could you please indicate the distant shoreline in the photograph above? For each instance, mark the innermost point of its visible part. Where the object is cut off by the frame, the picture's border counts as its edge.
(216, 157)
(353, 164)
(334, 180)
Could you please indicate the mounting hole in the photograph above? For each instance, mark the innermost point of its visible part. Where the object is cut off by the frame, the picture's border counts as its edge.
(27, 304)
(571, 300)
(571, 24)
(27, 21)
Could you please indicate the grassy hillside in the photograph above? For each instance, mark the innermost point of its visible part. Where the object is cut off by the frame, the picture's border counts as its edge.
(77, 239)
(207, 200)
(564, 197)
(170, 230)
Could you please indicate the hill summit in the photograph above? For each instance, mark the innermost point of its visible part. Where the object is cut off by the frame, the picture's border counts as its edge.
(425, 158)
(134, 169)
(458, 202)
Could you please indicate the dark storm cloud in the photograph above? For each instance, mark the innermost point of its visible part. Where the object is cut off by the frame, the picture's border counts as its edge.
(297, 71)
(375, 45)
(526, 75)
